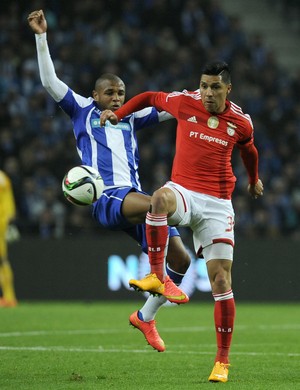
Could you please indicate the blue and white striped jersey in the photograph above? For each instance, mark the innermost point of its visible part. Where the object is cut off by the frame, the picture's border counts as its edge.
(112, 149)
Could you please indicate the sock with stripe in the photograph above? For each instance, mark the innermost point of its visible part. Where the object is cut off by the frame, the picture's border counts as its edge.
(157, 235)
(224, 315)
(175, 276)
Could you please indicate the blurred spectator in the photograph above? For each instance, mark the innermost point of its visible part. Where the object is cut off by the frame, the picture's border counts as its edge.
(8, 233)
(51, 215)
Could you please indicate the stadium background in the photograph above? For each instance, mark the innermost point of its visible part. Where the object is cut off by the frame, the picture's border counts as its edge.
(151, 45)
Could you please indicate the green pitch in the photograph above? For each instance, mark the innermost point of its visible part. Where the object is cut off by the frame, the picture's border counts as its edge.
(47, 346)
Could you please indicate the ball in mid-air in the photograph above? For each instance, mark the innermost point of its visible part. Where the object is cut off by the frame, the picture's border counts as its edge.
(82, 185)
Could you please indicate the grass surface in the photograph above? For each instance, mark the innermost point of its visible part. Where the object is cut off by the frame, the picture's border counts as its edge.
(90, 346)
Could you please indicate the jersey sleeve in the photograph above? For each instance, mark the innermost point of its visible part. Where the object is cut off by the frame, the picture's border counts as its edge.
(249, 153)
(72, 103)
(135, 104)
(168, 102)
(53, 85)
(160, 100)
(250, 159)
(247, 136)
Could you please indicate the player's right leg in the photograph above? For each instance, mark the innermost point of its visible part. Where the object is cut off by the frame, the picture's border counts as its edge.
(163, 203)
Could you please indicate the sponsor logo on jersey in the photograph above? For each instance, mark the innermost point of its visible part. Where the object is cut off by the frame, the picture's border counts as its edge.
(208, 138)
(95, 123)
(119, 126)
(213, 122)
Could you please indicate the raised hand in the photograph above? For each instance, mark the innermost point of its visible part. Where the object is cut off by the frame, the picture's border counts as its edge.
(37, 22)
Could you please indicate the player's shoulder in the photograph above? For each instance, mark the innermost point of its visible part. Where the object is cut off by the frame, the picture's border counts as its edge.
(72, 96)
(185, 94)
(237, 112)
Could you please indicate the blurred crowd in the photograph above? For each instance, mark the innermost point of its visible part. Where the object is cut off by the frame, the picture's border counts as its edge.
(151, 45)
(289, 11)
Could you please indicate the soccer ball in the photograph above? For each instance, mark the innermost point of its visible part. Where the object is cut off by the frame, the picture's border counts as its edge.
(82, 185)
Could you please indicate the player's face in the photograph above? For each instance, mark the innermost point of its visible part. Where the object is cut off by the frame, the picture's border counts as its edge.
(109, 95)
(214, 93)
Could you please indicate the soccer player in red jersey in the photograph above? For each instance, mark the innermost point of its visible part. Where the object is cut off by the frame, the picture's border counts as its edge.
(202, 181)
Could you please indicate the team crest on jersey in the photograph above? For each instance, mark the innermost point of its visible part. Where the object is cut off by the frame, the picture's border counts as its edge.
(213, 122)
(230, 131)
(231, 128)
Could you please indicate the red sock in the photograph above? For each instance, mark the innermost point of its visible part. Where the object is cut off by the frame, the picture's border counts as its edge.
(224, 315)
(157, 235)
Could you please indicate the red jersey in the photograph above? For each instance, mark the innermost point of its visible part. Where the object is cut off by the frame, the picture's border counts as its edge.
(204, 141)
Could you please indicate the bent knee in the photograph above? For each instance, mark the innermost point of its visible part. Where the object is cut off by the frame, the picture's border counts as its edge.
(163, 201)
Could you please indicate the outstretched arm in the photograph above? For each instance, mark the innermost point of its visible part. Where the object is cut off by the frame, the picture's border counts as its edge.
(138, 102)
(55, 87)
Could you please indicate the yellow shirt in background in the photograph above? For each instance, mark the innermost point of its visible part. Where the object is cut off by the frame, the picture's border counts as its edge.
(7, 202)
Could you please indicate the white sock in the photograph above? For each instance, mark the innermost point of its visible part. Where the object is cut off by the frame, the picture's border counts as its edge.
(151, 307)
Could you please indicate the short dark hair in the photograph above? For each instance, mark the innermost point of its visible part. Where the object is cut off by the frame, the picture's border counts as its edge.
(218, 68)
(108, 76)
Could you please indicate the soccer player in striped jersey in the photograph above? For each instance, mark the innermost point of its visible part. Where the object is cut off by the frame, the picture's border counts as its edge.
(7, 214)
(113, 151)
(199, 193)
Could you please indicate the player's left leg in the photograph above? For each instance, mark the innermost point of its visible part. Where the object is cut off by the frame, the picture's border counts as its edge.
(214, 237)
(219, 272)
